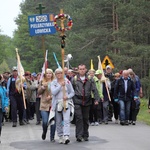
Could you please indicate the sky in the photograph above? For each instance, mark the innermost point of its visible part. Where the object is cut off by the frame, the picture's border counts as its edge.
(8, 12)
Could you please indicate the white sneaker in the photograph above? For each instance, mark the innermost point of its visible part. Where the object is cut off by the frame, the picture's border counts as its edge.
(96, 123)
(92, 124)
(61, 140)
(116, 121)
(66, 140)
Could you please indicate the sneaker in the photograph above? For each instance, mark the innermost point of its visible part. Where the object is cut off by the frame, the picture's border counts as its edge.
(130, 121)
(122, 123)
(100, 122)
(127, 122)
(66, 140)
(86, 139)
(61, 140)
(38, 123)
(133, 123)
(92, 124)
(14, 124)
(96, 123)
(116, 121)
(21, 123)
(106, 122)
(52, 140)
(79, 139)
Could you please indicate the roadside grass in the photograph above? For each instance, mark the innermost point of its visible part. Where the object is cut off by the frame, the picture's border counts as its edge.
(144, 113)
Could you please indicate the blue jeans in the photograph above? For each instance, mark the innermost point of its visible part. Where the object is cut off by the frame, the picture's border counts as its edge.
(124, 109)
(45, 116)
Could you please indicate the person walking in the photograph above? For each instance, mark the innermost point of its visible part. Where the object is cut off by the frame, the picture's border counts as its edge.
(83, 87)
(3, 103)
(62, 92)
(45, 103)
(124, 92)
(16, 98)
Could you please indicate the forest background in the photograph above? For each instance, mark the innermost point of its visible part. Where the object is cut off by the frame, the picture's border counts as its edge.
(117, 28)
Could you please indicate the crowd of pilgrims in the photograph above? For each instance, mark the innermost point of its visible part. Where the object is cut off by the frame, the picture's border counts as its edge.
(93, 97)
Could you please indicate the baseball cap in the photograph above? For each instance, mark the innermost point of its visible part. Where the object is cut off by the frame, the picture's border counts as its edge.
(34, 74)
(98, 72)
(108, 67)
(14, 68)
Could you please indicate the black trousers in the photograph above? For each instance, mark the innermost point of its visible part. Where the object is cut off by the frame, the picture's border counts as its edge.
(17, 105)
(82, 121)
(37, 109)
(135, 107)
(94, 112)
(1, 116)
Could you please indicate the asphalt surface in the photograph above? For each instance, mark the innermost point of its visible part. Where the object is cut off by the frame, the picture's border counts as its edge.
(103, 137)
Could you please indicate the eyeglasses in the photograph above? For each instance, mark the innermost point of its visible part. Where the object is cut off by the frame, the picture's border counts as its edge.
(59, 73)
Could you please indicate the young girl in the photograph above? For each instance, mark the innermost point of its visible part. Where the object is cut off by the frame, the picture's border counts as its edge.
(3, 103)
(45, 103)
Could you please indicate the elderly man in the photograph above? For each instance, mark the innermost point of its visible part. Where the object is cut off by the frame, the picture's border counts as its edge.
(123, 94)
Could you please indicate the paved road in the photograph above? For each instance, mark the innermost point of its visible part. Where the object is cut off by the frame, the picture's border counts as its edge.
(103, 137)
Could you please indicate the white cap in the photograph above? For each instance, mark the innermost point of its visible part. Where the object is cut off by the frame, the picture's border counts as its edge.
(14, 68)
(108, 67)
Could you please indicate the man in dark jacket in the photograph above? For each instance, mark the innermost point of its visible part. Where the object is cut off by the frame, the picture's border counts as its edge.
(16, 99)
(83, 87)
(123, 94)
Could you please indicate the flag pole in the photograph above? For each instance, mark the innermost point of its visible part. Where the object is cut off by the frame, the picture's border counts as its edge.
(20, 76)
(103, 76)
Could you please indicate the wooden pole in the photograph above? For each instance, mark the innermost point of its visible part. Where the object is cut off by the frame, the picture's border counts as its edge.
(103, 76)
(20, 76)
(62, 19)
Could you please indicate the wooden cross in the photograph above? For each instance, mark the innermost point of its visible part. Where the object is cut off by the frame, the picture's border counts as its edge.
(62, 19)
(40, 8)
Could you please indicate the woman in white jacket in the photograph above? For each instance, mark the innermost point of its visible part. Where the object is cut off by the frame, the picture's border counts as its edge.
(62, 92)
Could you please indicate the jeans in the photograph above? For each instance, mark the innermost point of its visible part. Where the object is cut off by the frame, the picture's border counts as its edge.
(45, 116)
(124, 109)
